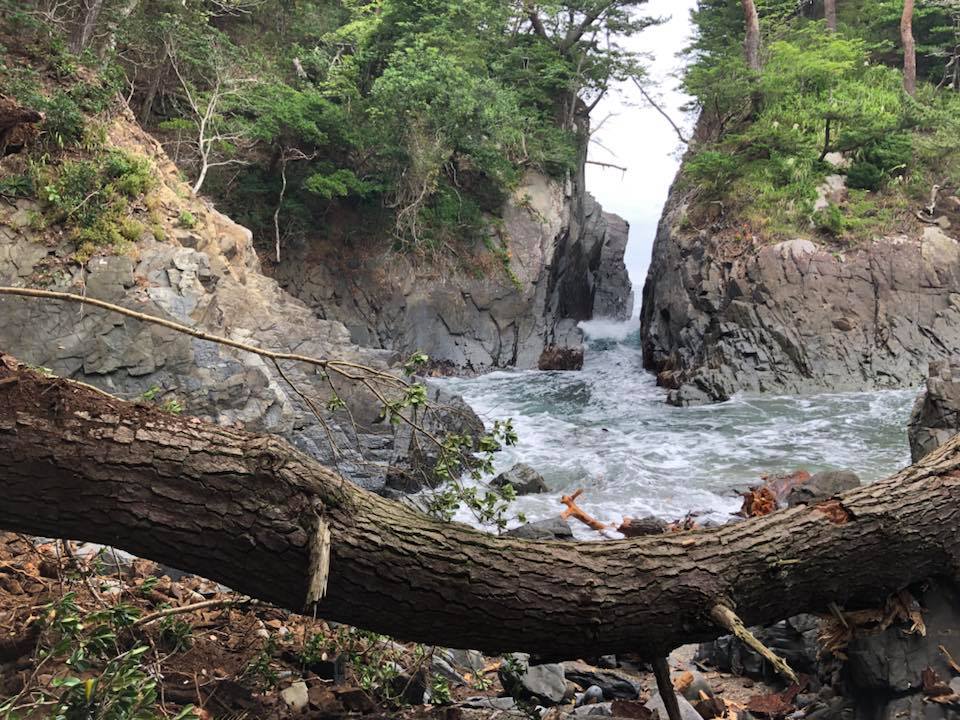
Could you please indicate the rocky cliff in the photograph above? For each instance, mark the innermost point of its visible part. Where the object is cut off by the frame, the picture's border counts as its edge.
(565, 264)
(206, 277)
(936, 413)
(721, 317)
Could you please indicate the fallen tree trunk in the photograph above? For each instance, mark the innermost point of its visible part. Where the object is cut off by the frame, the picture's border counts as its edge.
(246, 510)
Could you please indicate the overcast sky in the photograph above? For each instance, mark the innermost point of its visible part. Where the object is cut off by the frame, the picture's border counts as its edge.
(637, 137)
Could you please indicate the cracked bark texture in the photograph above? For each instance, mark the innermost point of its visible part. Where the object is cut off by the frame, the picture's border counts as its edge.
(240, 509)
(721, 317)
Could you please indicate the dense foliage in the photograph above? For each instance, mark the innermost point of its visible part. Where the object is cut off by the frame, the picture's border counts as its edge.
(767, 135)
(425, 113)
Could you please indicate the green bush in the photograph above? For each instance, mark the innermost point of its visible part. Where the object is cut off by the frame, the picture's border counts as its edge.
(712, 171)
(892, 154)
(187, 219)
(864, 175)
(131, 229)
(16, 186)
(77, 195)
(65, 122)
(131, 175)
(830, 220)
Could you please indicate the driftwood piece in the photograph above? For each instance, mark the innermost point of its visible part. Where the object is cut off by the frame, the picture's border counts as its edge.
(575, 511)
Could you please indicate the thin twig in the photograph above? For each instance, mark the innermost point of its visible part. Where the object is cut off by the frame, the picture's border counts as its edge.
(167, 612)
(676, 128)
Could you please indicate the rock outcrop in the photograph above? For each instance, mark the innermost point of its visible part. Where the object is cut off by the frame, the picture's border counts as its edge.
(721, 317)
(565, 265)
(206, 277)
(884, 667)
(936, 414)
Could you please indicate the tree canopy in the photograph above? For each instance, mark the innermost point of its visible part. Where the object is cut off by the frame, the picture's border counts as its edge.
(767, 133)
(429, 109)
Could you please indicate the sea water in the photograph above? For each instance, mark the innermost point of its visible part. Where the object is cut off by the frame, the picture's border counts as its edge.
(608, 430)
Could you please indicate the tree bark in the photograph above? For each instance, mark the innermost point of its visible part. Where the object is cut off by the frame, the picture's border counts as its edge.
(830, 13)
(751, 43)
(909, 48)
(87, 24)
(245, 510)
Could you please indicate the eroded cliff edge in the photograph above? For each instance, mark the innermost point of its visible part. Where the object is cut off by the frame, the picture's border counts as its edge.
(205, 276)
(797, 316)
(205, 273)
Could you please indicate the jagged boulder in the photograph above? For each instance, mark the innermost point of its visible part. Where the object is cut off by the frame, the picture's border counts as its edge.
(936, 413)
(523, 479)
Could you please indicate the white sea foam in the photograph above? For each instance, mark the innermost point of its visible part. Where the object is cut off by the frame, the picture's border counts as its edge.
(608, 430)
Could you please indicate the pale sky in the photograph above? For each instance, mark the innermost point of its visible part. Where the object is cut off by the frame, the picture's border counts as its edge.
(637, 137)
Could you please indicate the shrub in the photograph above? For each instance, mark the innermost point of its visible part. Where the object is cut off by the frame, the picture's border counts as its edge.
(891, 155)
(16, 186)
(864, 175)
(187, 219)
(712, 171)
(77, 193)
(131, 229)
(131, 175)
(830, 220)
(64, 123)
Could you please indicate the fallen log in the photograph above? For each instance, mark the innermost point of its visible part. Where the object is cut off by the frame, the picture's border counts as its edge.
(245, 510)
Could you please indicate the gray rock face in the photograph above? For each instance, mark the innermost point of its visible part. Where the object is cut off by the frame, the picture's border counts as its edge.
(823, 486)
(687, 711)
(566, 265)
(936, 414)
(615, 684)
(215, 286)
(523, 478)
(542, 683)
(796, 317)
(549, 529)
(613, 297)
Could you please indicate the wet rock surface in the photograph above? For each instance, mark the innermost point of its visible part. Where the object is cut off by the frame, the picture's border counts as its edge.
(721, 317)
(523, 479)
(936, 414)
(822, 486)
(550, 529)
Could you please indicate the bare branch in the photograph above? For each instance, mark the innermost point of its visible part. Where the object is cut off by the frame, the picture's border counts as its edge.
(649, 99)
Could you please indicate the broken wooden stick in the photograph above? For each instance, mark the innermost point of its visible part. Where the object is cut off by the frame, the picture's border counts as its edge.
(203, 605)
(574, 511)
(661, 670)
(728, 619)
(319, 567)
